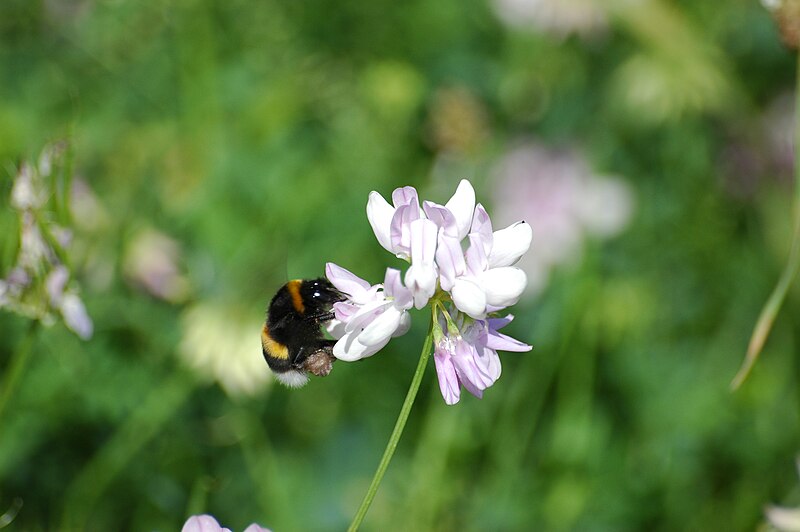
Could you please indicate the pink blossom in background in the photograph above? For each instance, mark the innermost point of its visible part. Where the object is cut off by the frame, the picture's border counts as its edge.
(562, 200)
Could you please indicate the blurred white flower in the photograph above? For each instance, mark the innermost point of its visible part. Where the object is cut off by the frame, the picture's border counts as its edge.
(219, 344)
(151, 261)
(784, 519)
(562, 201)
(559, 18)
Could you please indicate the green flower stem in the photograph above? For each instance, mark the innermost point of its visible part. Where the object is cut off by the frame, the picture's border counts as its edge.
(17, 367)
(773, 305)
(397, 432)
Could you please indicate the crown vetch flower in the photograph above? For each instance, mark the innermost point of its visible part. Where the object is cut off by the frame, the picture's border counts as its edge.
(466, 354)
(371, 316)
(471, 283)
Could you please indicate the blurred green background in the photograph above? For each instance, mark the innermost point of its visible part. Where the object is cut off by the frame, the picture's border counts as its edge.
(221, 148)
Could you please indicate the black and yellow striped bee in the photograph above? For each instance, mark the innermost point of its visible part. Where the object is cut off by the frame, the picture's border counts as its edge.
(291, 339)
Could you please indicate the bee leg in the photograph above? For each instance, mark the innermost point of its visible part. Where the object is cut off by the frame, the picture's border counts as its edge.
(325, 316)
(319, 360)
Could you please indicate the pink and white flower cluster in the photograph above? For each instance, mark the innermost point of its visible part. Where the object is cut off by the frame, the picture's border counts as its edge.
(459, 264)
(39, 285)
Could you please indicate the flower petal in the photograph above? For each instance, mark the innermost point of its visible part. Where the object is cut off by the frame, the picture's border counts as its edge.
(470, 373)
(76, 317)
(405, 196)
(393, 287)
(489, 362)
(421, 277)
(503, 286)
(349, 348)
(382, 327)
(335, 328)
(501, 342)
(476, 254)
(379, 214)
(469, 297)
(462, 205)
(442, 217)
(482, 225)
(55, 283)
(365, 314)
(346, 281)
(448, 380)
(405, 325)
(256, 528)
(201, 523)
(450, 259)
(401, 231)
(509, 244)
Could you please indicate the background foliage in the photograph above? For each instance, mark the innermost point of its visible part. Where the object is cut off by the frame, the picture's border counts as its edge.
(243, 139)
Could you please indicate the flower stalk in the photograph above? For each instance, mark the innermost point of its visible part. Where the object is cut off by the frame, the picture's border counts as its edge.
(399, 425)
(766, 318)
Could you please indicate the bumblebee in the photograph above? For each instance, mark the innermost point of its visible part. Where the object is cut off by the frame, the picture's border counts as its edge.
(291, 339)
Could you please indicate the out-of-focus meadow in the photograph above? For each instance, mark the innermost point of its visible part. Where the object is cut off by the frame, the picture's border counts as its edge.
(216, 149)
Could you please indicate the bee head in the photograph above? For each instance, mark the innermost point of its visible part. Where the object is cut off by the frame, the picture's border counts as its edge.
(321, 292)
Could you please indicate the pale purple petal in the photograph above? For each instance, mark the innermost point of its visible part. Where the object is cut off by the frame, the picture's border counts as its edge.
(379, 214)
(482, 225)
(405, 325)
(448, 380)
(442, 217)
(489, 361)
(465, 380)
(509, 244)
(469, 297)
(256, 528)
(498, 323)
(382, 327)
(55, 283)
(421, 277)
(335, 328)
(365, 314)
(450, 259)
(393, 287)
(462, 205)
(346, 281)
(349, 348)
(344, 311)
(501, 342)
(503, 286)
(469, 372)
(76, 317)
(202, 523)
(405, 196)
(401, 231)
(476, 254)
